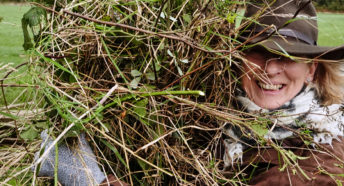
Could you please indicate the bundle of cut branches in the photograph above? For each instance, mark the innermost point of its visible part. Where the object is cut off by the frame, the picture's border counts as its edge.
(150, 82)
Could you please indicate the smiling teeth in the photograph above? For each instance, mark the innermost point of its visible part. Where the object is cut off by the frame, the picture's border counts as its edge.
(270, 87)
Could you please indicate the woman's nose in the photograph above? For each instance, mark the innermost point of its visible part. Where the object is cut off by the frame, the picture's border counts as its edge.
(274, 66)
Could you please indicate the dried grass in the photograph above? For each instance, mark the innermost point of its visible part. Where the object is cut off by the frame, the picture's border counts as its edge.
(155, 128)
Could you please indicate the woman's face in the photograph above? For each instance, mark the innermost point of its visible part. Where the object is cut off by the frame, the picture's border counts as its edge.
(272, 80)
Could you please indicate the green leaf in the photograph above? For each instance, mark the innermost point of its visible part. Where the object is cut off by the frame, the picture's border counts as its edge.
(180, 72)
(142, 164)
(29, 134)
(42, 125)
(114, 149)
(33, 17)
(283, 167)
(292, 20)
(339, 165)
(162, 46)
(307, 142)
(9, 115)
(72, 79)
(13, 182)
(187, 18)
(173, 19)
(140, 107)
(150, 76)
(135, 82)
(231, 17)
(135, 73)
(184, 61)
(198, 29)
(162, 15)
(339, 182)
(170, 53)
(341, 175)
(58, 65)
(157, 66)
(106, 18)
(260, 130)
(295, 157)
(239, 19)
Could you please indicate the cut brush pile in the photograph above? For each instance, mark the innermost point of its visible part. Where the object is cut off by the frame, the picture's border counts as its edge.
(150, 82)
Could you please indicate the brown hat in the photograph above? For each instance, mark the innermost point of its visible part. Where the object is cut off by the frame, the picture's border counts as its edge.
(289, 26)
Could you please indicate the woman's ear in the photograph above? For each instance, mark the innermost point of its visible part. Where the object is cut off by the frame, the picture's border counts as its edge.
(312, 69)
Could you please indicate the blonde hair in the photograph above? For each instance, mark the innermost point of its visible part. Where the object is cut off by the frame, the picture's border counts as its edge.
(329, 82)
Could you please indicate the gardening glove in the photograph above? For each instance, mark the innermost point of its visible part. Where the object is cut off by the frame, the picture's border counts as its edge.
(77, 166)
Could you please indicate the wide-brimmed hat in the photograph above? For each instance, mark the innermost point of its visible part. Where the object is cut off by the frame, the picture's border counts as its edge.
(288, 26)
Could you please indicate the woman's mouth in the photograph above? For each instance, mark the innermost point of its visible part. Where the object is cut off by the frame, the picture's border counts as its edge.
(270, 87)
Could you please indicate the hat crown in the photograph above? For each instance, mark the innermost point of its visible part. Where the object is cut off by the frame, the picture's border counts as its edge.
(291, 18)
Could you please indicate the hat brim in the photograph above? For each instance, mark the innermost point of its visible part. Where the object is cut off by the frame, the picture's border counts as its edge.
(296, 47)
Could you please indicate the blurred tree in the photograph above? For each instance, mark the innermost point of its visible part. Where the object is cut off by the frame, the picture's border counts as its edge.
(329, 5)
(9, 1)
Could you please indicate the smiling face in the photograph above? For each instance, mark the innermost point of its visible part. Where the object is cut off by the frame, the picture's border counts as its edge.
(271, 80)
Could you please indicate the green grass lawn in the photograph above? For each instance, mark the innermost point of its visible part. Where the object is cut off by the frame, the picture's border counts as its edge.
(12, 53)
(11, 50)
(331, 29)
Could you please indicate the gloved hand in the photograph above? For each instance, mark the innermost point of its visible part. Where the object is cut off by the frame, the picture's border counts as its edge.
(77, 166)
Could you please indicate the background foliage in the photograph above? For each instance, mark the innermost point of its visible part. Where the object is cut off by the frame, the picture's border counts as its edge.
(329, 5)
(326, 5)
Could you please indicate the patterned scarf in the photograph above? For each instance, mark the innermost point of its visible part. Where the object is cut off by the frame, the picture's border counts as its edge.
(303, 111)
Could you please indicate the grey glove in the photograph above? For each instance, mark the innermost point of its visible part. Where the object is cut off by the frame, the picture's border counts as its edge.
(77, 166)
